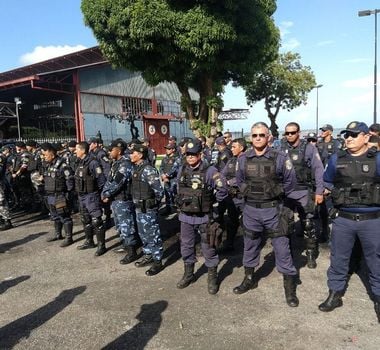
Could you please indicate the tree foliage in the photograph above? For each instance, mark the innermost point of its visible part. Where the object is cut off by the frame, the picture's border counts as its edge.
(283, 84)
(198, 44)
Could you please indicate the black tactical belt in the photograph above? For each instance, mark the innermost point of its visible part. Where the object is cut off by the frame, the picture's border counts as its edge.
(359, 217)
(263, 205)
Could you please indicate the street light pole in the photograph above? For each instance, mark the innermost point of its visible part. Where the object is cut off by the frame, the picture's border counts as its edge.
(17, 103)
(368, 13)
(317, 116)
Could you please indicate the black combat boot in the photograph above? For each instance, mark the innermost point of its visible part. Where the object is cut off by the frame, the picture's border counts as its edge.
(6, 225)
(188, 277)
(155, 268)
(311, 258)
(212, 280)
(131, 255)
(248, 283)
(333, 301)
(101, 238)
(89, 242)
(377, 307)
(144, 261)
(290, 284)
(68, 227)
(58, 232)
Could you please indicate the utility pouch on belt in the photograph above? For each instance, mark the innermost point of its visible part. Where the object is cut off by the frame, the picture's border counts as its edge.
(333, 213)
(214, 234)
(285, 223)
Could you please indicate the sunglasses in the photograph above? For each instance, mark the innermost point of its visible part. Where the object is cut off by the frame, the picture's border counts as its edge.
(352, 134)
(287, 133)
(259, 135)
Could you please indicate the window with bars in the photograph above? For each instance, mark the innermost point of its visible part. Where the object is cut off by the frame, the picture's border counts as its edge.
(136, 106)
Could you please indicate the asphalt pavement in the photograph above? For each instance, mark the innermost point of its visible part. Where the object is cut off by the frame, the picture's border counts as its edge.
(63, 298)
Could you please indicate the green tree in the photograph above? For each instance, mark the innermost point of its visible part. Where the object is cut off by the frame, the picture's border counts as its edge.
(198, 44)
(283, 84)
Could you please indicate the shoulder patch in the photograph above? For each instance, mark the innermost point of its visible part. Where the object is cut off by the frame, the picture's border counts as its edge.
(98, 170)
(288, 164)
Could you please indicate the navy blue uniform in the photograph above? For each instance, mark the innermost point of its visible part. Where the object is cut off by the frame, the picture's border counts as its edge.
(357, 179)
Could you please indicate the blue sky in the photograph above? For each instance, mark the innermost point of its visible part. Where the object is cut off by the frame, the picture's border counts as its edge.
(328, 34)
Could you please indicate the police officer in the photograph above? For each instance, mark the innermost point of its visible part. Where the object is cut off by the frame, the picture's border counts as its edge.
(147, 193)
(168, 171)
(353, 177)
(58, 181)
(89, 180)
(206, 150)
(234, 202)
(72, 161)
(117, 190)
(224, 153)
(196, 184)
(21, 181)
(152, 156)
(5, 216)
(309, 169)
(228, 139)
(327, 145)
(264, 175)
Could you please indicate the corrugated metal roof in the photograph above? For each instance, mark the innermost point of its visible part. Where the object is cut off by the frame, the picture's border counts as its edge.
(73, 60)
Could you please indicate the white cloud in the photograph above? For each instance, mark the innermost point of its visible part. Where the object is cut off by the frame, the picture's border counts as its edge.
(290, 44)
(42, 53)
(284, 26)
(361, 83)
(326, 43)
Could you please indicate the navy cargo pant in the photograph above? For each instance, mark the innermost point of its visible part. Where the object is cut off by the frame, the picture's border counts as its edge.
(257, 221)
(344, 232)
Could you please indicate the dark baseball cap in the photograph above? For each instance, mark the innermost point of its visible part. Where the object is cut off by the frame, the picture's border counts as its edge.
(356, 127)
(375, 127)
(326, 127)
(220, 141)
(184, 141)
(136, 147)
(312, 135)
(193, 147)
(173, 138)
(93, 140)
(169, 146)
(119, 144)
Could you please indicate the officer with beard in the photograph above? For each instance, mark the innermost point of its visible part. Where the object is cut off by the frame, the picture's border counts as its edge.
(353, 177)
(196, 184)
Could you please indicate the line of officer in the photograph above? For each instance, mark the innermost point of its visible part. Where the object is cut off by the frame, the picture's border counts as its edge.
(353, 177)
(197, 181)
(234, 202)
(264, 175)
(309, 172)
(147, 193)
(58, 181)
(117, 191)
(89, 180)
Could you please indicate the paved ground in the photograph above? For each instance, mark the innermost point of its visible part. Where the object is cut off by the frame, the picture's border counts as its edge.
(55, 298)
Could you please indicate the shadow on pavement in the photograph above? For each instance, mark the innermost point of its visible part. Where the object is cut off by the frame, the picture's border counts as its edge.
(139, 335)
(13, 332)
(5, 285)
(9, 245)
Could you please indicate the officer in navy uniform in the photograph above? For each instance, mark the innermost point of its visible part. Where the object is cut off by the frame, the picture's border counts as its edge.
(21, 181)
(117, 190)
(224, 153)
(353, 177)
(5, 216)
(58, 181)
(147, 193)
(89, 181)
(152, 156)
(97, 151)
(309, 171)
(264, 175)
(168, 171)
(196, 184)
(234, 202)
(206, 150)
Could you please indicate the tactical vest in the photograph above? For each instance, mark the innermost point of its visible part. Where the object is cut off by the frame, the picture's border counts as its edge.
(326, 147)
(194, 195)
(126, 191)
(230, 169)
(167, 164)
(54, 180)
(84, 181)
(141, 190)
(356, 183)
(263, 184)
(301, 167)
